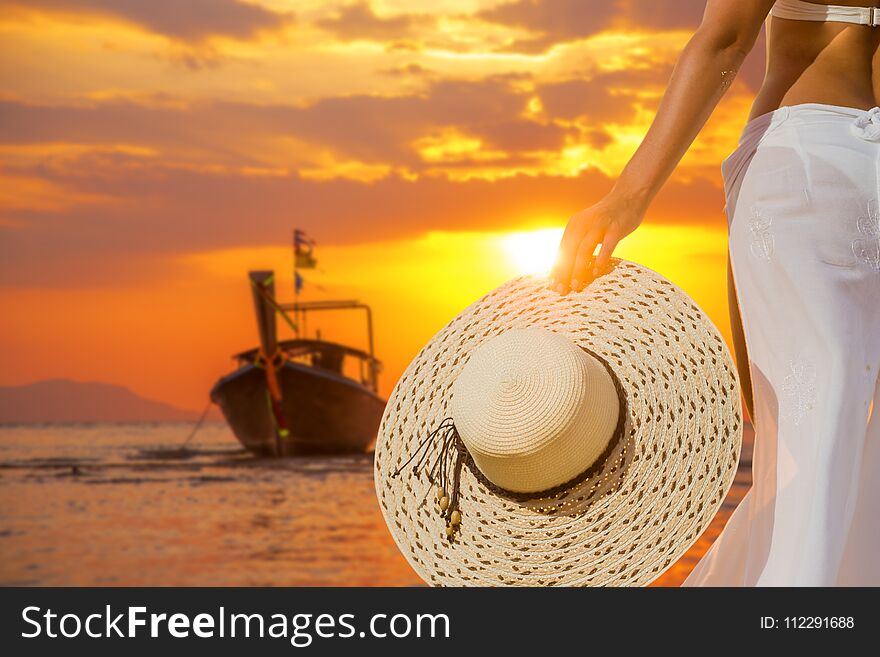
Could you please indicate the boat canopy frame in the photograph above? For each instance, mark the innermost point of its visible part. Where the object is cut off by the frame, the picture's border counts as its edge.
(266, 309)
(297, 347)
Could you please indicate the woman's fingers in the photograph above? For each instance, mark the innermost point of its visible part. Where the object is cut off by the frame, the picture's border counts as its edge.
(609, 243)
(561, 276)
(603, 223)
(580, 273)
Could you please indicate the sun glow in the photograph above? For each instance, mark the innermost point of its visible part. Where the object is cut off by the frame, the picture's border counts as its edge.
(532, 251)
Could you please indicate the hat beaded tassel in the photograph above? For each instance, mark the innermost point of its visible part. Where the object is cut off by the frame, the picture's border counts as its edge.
(448, 489)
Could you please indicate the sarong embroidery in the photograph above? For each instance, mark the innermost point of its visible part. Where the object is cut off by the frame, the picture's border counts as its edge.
(761, 238)
(866, 248)
(799, 389)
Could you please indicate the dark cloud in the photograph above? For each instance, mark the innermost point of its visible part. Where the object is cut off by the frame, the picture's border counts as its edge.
(552, 21)
(681, 14)
(412, 69)
(567, 20)
(169, 204)
(608, 97)
(521, 135)
(374, 129)
(156, 210)
(561, 21)
(359, 21)
(187, 20)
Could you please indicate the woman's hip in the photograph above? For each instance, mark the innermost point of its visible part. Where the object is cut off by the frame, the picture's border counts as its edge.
(802, 148)
(810, 189)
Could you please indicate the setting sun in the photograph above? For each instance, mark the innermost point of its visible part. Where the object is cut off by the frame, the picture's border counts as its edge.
(532, 251)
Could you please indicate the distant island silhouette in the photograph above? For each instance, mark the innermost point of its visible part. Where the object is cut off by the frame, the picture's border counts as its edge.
(63, 400)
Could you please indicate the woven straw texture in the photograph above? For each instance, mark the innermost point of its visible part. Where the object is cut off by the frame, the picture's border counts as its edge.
(659, 488)
(533, 409)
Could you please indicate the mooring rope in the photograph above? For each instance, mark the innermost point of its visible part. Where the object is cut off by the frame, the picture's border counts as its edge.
(198, 426)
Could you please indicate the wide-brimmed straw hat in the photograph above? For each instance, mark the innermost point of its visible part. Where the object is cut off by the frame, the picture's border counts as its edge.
(541, 440)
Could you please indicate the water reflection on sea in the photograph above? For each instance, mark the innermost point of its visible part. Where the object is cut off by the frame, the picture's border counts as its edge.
(123, 505)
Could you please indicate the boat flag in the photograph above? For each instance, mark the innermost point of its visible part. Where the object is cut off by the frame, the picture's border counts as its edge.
(303, 248)
(305, 261)
(297, 281)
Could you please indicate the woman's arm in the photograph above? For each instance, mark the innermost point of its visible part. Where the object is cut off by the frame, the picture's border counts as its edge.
(704, 71)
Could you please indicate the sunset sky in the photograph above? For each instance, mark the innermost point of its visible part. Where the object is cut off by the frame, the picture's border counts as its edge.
(151, 152)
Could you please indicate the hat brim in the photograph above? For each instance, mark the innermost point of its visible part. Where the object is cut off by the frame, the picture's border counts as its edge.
(659, 488)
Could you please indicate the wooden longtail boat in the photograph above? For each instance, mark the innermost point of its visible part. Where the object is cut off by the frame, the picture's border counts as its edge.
(302, 396)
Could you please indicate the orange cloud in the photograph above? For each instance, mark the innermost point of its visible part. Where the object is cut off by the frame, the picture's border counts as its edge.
(359, 21)
(369, 129)
(552, 21)
(150, 211)
(410, 138)
(520, 124)
(192, 20)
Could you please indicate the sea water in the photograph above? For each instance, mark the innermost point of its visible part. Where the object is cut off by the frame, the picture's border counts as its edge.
(124, 505)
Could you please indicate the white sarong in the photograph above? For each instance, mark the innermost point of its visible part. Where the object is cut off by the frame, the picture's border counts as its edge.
(802, 192)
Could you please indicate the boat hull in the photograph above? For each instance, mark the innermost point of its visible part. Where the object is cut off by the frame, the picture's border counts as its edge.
(326, 413)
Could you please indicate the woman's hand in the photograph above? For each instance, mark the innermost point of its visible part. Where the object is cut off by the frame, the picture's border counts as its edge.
(700, 77)
(606, 223)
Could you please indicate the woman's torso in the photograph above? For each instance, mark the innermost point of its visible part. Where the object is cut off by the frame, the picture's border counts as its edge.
(820, 62)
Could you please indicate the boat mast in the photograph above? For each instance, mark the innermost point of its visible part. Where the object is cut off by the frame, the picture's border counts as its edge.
(266, 325)
(263, 286)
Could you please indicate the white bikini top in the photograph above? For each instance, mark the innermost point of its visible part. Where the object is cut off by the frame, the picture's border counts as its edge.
(798, 10)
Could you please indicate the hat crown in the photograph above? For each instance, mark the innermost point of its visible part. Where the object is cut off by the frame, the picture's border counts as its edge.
(534, 409)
